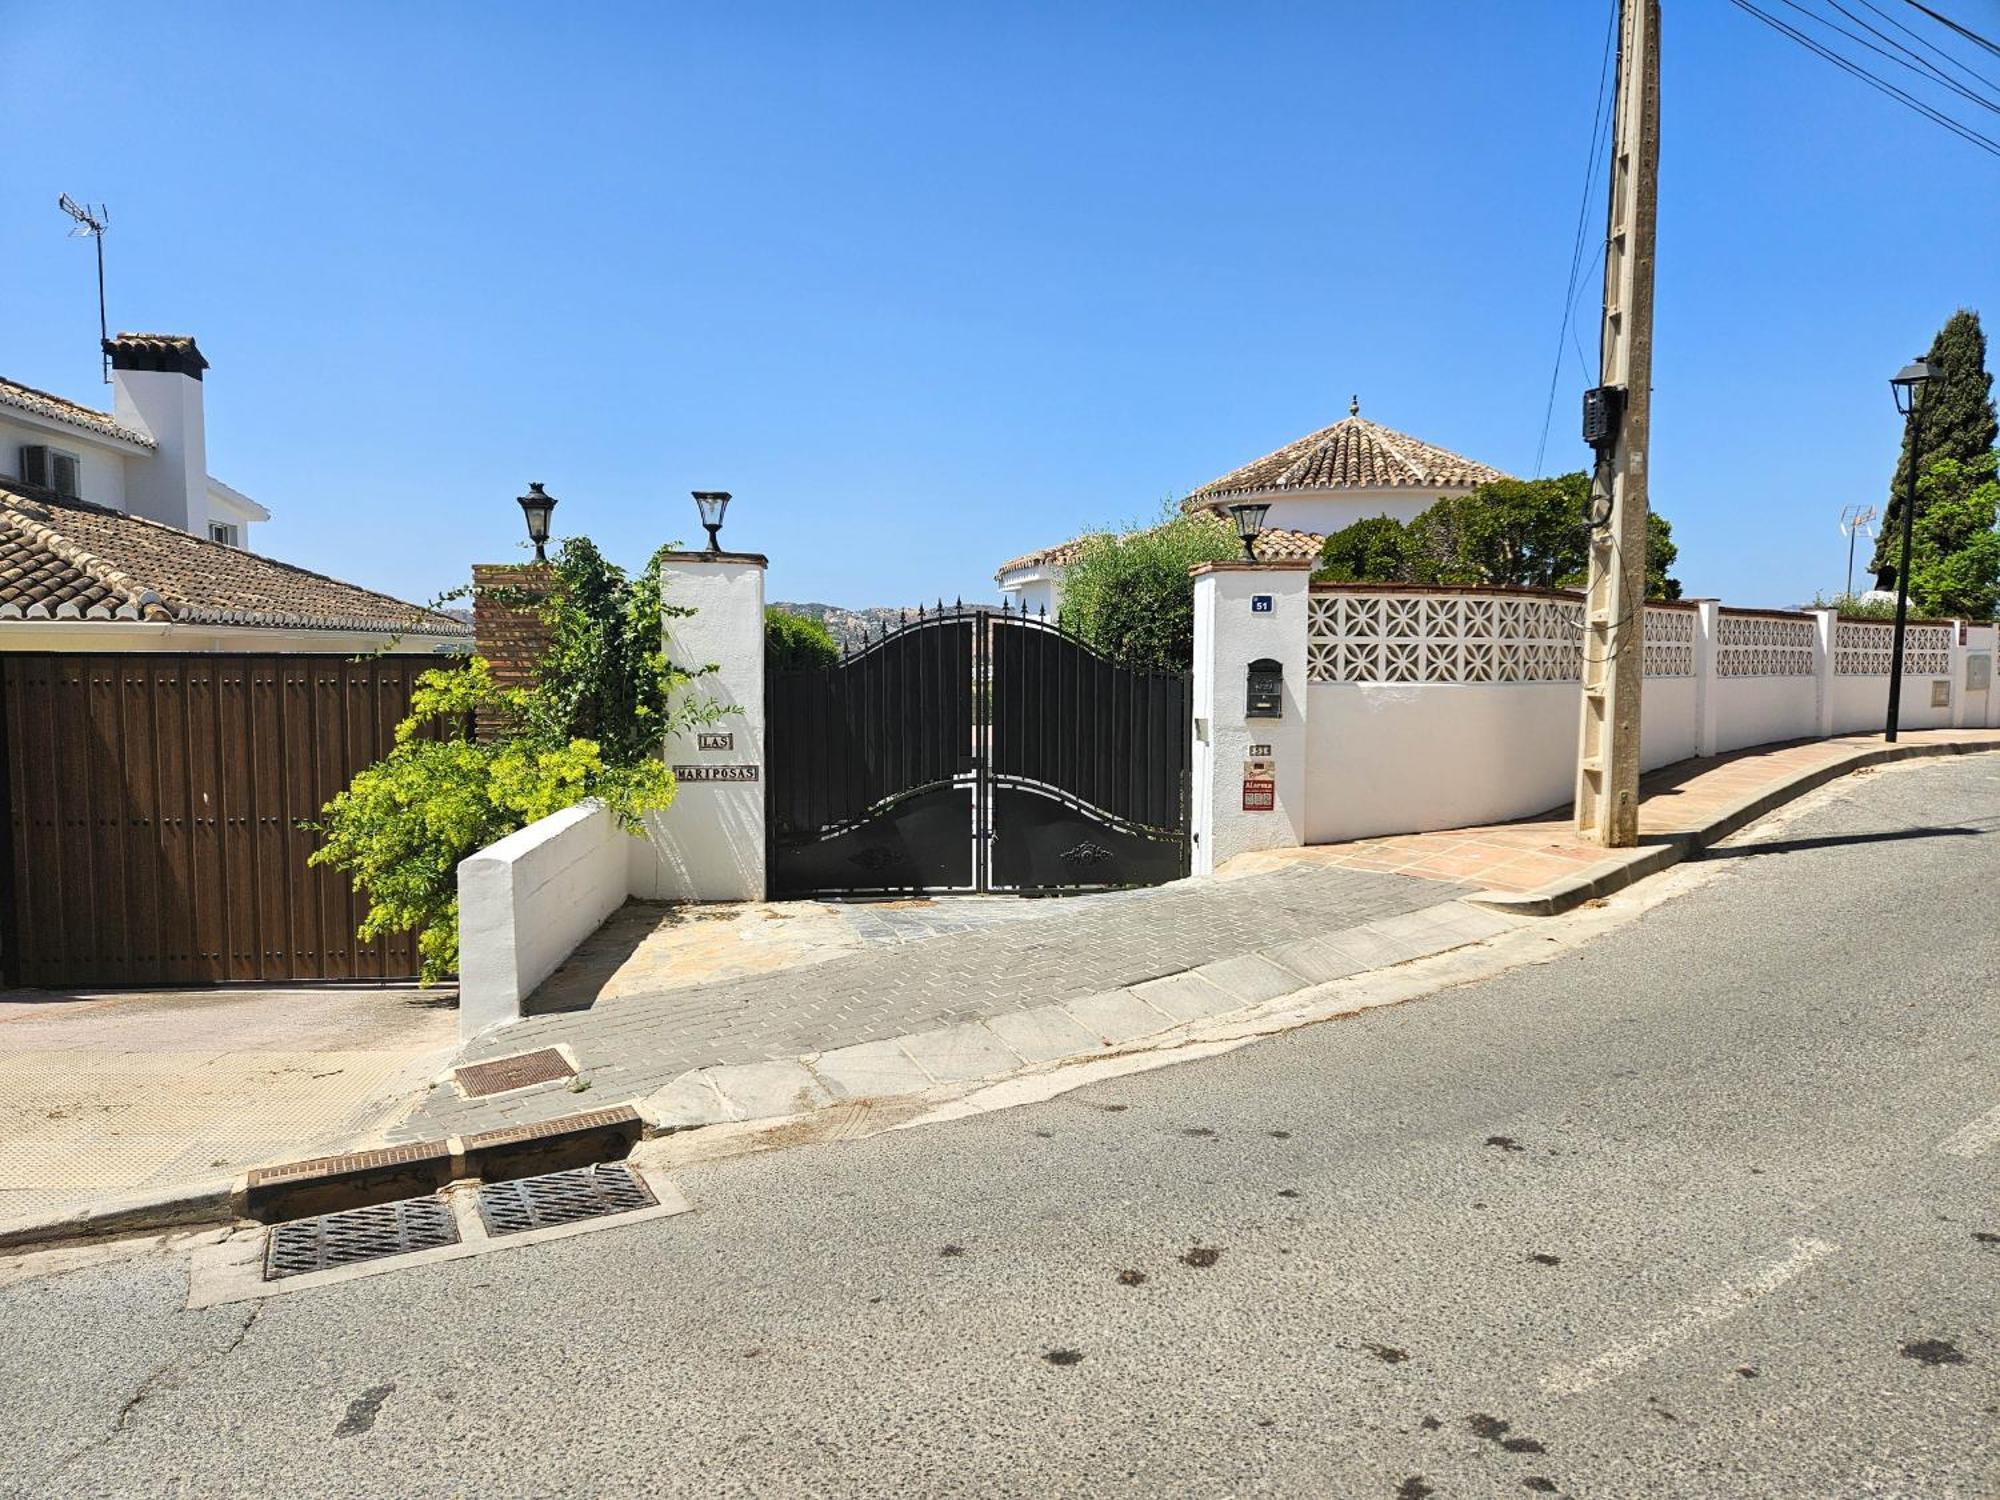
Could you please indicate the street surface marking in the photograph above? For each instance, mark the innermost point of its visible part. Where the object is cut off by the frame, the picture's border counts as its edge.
(1731, 1299)
(1975, 1138)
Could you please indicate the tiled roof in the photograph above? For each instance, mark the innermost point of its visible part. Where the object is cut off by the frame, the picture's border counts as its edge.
(1353, 453)
(71, 560)
(1271, 546)
(42, 404)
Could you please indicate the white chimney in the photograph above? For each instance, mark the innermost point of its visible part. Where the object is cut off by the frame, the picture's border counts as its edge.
(157, 379)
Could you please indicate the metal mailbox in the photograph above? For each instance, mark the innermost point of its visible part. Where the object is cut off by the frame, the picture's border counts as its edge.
(1264, 696)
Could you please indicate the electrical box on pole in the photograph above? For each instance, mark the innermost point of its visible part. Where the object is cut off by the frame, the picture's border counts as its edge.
(1616, 423)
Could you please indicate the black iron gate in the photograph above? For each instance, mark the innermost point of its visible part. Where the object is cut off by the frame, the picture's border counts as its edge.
(975, 750)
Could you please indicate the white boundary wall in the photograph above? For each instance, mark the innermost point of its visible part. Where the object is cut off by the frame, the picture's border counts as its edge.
(1426, 709)
(526, 902)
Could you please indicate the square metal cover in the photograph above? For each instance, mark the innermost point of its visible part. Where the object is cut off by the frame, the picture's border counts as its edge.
(358, 1234)
(561, 1198)
(477, 1080)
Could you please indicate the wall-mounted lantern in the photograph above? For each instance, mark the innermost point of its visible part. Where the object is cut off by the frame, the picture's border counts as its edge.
(711, 504)
(537, 505)
(1264, 693)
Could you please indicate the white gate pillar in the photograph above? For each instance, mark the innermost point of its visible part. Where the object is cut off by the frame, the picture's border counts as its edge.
(1248, 769)
(709, 846)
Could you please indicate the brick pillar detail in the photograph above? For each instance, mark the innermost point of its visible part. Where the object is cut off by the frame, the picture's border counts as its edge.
(510, 635)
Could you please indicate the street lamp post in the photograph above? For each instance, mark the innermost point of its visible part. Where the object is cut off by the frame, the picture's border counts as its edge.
(1249, 521)
(1908, 385)
(537, 505)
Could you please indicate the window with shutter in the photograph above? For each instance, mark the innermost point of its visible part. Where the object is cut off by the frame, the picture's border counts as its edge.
(34, 464)
(63, 468)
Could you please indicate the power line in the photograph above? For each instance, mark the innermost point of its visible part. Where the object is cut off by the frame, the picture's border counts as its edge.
(1930, 46)
(1966, 32)
(1922, 67)
(1598, 119)
(1957, 127)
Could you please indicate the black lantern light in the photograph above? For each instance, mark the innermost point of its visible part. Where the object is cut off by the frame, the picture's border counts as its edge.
(712, 503)
(537, 505)
(1906, 383)
(1249, 519)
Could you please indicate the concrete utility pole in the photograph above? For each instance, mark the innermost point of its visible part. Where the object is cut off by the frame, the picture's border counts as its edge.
(1616, 422)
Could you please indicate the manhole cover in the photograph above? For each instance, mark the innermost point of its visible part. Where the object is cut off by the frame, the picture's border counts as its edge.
(561, 1198)
(546, 1066)
(358, 1234)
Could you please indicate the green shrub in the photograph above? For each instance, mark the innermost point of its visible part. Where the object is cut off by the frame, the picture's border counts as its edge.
(793, 642)
(591, 726)
(1130, 596)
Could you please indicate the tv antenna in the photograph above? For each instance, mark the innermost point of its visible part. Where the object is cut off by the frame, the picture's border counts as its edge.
(90, 220)
(1854, 519)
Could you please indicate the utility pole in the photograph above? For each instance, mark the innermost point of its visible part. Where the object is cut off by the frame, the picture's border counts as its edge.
(1617, 423)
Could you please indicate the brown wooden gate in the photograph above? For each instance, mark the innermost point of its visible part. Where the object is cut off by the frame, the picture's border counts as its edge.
(153, 804)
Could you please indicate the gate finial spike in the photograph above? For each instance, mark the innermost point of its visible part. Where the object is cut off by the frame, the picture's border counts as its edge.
(959, 603)
(902, 617)
(1044, 609)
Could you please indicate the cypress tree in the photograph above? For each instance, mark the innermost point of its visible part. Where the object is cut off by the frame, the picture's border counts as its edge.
(1958, 420)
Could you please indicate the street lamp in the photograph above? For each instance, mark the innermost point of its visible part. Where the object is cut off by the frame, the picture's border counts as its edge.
(1907, 384)
(1249, 521)
(537, 505)
(712, 503)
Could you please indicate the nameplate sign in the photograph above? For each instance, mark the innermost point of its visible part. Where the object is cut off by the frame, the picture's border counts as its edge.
(1260, 794)
(712, 741)
(715, 773)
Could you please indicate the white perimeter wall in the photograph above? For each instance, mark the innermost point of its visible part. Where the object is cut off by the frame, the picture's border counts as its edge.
(527, 901)
(1480, 723)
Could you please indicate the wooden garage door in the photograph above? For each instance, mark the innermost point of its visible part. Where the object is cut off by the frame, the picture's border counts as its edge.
(153, 810)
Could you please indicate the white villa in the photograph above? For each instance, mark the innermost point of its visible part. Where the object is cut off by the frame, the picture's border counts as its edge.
(115, 537)
(1315, 485)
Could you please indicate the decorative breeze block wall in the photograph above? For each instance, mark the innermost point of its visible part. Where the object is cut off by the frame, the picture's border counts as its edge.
(1861, 649)
(1443, 638)
(1764, 645)
(1669, 642)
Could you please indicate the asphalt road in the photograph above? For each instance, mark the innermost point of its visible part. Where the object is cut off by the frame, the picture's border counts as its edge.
(1704, 1208)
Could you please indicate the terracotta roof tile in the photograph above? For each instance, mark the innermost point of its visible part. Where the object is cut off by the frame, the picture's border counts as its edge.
(69, 559)
(56, 408)
(1271, 546)
(1354, 453)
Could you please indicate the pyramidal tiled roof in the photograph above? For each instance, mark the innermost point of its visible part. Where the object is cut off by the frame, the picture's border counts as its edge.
(59, 409)
(63, 559)
(1354, 453)
(1271, 546)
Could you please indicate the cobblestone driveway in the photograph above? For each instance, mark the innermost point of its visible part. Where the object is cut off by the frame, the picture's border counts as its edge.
(931, 971)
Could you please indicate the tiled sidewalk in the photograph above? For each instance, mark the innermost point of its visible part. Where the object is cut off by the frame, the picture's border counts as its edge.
(1046, 953)
(1678, 799)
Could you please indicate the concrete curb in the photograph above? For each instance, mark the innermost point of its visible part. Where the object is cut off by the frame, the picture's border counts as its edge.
(1668, 850)
(1161, 1012)
(186, 1206)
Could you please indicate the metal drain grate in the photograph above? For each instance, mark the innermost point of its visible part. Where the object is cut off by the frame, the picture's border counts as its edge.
(523, 1070)
(358, 1234)
(561, 1198)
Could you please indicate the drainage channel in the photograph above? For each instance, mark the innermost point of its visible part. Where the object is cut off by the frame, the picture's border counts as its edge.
(462, 1220)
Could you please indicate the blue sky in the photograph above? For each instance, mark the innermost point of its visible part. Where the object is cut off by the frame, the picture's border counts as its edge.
(930, 285)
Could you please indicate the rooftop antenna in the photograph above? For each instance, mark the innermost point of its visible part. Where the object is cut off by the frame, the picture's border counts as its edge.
(90, 220)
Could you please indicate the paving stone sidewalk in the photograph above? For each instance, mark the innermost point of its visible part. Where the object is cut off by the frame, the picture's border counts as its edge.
(1055, 952)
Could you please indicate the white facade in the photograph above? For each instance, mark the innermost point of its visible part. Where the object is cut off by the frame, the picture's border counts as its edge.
(148, 456)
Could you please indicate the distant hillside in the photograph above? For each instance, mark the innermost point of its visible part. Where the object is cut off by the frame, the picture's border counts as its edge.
(850, 627)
